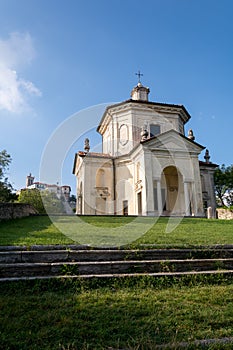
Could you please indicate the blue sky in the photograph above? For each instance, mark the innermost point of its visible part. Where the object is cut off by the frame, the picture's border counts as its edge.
(59, 57)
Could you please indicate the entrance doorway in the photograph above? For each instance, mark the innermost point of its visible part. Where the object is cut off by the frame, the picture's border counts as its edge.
(171, 179)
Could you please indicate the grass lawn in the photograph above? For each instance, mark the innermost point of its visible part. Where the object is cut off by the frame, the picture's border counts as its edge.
(139, 317)
(70, 314)
(31, 230)
(104, 231)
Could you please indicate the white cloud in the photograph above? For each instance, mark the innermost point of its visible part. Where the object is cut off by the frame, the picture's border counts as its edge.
(30, 87)
(15, 52)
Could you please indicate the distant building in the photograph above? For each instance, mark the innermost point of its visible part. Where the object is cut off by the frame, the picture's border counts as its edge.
(61, 191)
(148, 165)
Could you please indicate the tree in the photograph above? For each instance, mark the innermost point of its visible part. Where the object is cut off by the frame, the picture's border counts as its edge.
(5, 187)
(223, 180)
(73, 198)
(43, 201)
(33, 197)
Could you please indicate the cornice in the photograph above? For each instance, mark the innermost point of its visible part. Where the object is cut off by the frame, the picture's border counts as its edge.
(142, 105)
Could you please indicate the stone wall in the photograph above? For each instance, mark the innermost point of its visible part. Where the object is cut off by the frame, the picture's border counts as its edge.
(225, 214)
(16, 210)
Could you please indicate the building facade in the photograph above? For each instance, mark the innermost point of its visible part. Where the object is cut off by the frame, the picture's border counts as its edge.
(60, 191)
(148, 166)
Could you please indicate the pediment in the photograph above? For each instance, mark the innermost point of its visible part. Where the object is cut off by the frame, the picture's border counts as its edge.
(172, 141)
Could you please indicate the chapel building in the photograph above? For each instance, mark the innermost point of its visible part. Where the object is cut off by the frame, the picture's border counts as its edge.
(148, 166)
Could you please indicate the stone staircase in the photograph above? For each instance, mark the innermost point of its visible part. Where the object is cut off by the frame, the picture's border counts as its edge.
(42, 262)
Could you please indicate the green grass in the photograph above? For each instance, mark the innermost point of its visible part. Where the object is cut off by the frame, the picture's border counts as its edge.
(73, 315)
(104, 231)
(99, 231)
(31, 230)
(191, 232)
(60, 315)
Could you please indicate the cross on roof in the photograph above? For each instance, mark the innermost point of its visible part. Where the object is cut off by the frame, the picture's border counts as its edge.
(139, 74)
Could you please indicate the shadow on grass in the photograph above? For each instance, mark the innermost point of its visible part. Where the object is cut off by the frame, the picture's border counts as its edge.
(31, 230)
(64, 316)
(115, 231)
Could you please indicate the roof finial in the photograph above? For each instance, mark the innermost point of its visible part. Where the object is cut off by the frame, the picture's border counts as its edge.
(144, 133)
(86, 145)
(140, 92)
(207, 156)
(190, 135)
(139, 74)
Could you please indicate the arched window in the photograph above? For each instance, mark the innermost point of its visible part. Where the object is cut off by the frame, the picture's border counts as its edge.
(100, 178)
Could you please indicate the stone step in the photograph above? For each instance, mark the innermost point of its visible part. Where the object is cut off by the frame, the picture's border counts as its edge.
(225, 273)
(75, 260)
(11, 256)
(50, 247)
(112, 267)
